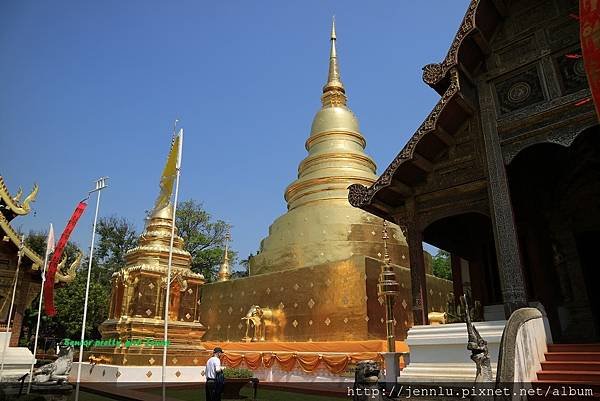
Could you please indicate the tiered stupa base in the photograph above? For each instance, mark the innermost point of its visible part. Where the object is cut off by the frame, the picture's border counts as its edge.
(131, 349)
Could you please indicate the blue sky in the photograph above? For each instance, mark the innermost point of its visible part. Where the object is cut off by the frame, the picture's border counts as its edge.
(91, 88)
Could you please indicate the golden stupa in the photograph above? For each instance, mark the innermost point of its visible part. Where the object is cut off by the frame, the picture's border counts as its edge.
(320, 225)
(315, 277)
(133, 332)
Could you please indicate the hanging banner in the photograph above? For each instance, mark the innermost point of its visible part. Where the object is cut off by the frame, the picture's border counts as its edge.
(589, 18)
(53, 265)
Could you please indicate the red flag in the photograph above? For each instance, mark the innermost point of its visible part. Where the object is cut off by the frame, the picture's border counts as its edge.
(589, 17)
(53, 265)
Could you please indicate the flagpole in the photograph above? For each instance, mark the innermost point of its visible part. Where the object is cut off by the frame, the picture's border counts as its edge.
(169, 268)
(12, 304)
(39, 315)
(100, 185)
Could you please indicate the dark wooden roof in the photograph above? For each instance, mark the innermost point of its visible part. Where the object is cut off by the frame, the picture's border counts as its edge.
(452, 80)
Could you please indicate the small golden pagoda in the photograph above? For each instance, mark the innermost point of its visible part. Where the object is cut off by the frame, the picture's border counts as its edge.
(225, 270)
(133, 333)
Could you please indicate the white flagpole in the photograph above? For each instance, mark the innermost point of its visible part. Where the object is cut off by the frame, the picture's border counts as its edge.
(100, 185)
(39, 315)
(12, 304)
(177, 173)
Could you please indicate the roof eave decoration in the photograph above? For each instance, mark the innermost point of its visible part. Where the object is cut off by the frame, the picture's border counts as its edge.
(13, 202)
(361, 196)
(436, 75)
(14, 237)
(443, 78)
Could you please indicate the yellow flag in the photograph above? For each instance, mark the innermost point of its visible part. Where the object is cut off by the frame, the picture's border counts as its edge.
(170, 171)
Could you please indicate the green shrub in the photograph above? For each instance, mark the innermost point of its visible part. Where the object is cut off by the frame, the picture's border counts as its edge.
(237, 373)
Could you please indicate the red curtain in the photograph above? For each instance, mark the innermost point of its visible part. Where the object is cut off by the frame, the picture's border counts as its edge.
(589, 15)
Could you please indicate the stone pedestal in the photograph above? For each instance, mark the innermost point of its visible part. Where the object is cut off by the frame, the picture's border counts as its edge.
(17, 360)
(439, 353)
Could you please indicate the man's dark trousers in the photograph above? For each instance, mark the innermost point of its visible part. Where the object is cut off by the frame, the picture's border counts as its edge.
(212, 393)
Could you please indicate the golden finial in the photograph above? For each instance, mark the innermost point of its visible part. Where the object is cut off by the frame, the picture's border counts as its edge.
(385, 237)
(333, 91)
(225, 271)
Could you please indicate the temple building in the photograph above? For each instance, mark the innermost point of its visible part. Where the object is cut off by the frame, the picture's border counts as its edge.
(16, 256)
(316, 273)
(511, 155)
(29, 281)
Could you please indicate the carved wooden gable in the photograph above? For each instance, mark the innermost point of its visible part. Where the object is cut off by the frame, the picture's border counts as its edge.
(537, 75)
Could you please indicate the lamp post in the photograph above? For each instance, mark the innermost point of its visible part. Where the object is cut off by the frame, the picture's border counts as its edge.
(100, 185)
(388, 288)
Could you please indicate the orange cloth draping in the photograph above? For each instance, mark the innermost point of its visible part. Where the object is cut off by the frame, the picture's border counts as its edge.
(268, 360)
(307, 355)
(336, 363)
(313, 346)
(287, 361)
(308, 362)
(232, 360)
(253, 361)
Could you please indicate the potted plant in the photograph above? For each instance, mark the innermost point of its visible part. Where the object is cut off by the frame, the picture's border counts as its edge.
(235, 379)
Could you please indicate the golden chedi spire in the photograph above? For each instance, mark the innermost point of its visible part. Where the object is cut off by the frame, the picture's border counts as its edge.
(225, 270)
(334, 93)
(154, 243)
(320, 225)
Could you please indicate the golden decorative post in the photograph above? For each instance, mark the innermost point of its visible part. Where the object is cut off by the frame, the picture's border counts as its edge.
(225, 271)
(388, 288)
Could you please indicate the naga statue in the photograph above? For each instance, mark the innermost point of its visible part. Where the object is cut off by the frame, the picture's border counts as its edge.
(259, 318)
(71, 272)
(478, 347)
(56, 372)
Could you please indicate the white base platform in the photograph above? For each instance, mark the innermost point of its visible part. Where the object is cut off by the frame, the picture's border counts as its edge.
(438, 353)
(136, 374)
(17, 360)
(140, 375)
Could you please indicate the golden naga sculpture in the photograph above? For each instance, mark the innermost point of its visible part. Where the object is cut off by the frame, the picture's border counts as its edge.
(71, 272)
(17, 197)
(13, 202)
(260, 319)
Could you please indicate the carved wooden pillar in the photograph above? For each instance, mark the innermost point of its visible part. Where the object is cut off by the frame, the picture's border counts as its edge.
(512, 280)
(414, 237)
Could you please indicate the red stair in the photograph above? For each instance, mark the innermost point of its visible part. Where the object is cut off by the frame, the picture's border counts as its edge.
(572, 363)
